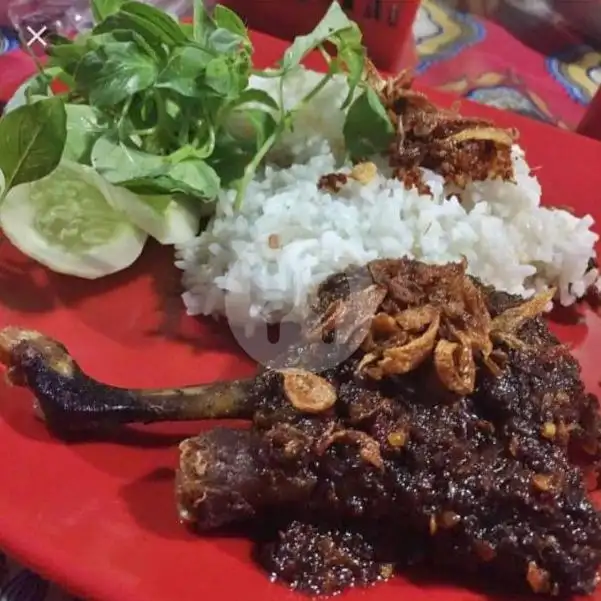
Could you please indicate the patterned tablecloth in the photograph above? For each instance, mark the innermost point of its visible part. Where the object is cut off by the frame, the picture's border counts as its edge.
(544, 71)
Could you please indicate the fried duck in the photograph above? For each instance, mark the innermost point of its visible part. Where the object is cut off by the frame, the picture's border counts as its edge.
(446, 435)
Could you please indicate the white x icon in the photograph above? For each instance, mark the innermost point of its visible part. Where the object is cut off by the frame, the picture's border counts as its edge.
(36, 36)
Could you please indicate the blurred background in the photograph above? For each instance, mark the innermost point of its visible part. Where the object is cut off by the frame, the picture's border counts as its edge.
(541, 58)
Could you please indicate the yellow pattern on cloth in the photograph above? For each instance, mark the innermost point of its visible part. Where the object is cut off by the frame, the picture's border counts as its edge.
(578, 71)
(508, 55)
(441, 33)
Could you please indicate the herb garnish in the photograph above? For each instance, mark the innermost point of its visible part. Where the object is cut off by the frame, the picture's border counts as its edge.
(150, 101)
(33, 138)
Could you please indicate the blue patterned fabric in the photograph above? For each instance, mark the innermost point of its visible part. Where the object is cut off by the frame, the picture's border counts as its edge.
(8, 40)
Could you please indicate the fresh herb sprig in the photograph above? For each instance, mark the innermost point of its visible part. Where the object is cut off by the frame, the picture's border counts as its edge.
(151, 102)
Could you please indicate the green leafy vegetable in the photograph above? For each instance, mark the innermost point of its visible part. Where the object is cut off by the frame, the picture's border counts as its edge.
(82, 125)
(183, 72)
(194, 176)
(35, 134)
(82, 131)
(164, 108)
(228, 19)
(202, 24)
(145, 18)
(224, 41)
(119, 163)
(367, 129)
(334, 23)
(102, 9)
(114, 72)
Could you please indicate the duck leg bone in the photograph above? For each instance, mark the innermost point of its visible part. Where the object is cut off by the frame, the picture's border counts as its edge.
(69, 400)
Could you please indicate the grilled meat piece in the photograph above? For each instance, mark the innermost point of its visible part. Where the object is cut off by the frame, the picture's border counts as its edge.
(443, 434)
(319, 559)
(69, 400)
(422, 467)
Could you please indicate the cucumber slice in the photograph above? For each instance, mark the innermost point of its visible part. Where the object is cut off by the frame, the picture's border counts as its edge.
(167, 220)
(67, 222)
(82, 125)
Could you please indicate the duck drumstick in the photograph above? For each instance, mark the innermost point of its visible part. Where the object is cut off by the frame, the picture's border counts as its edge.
(69, 400)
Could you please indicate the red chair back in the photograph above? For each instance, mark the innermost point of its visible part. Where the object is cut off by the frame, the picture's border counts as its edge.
(386, 24)
(590, 125)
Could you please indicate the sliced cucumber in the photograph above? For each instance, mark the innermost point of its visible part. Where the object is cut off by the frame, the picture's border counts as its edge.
(67, 222)
(167, 220)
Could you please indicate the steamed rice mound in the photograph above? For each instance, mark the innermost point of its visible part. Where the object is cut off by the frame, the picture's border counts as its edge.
(289, 235)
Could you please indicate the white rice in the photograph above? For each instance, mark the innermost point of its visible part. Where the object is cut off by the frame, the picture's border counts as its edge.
(508, 238)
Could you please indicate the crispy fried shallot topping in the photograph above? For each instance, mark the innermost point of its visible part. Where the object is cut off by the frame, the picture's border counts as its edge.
(539, 580)
(349, 317)
(332, 182)
(460, 149)
(308, 392)
(369, 449)
(416, 314)
(364, 172)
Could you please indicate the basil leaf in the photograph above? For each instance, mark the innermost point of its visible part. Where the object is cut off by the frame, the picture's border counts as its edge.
(143, 113)
(150, 46)
(101, 9)
(195, 177)
(39, 85)
(262, 123)
(81, 126)
(32, 138)
(66, 54)
(114, 72)
(334, 21)
(184, 69)
(149, 22)
(222, 75)
(223, 41)
(192, 177)
(228, 19)
(202, 24)
(367, 128)
(230, 159)
(250, 127)
(254, 96)
(82, 131)
(352, 54)
(118, 163)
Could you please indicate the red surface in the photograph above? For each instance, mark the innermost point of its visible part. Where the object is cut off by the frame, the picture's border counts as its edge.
(99, 518)
(385, 25)
(520, 68)
(591, 124)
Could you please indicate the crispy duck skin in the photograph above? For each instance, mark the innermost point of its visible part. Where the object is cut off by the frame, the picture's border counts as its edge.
(450, 427)
(544, 396)
(69, 400)
(438, 470)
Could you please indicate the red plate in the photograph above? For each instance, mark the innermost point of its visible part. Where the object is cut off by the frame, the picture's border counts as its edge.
(99, 519)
